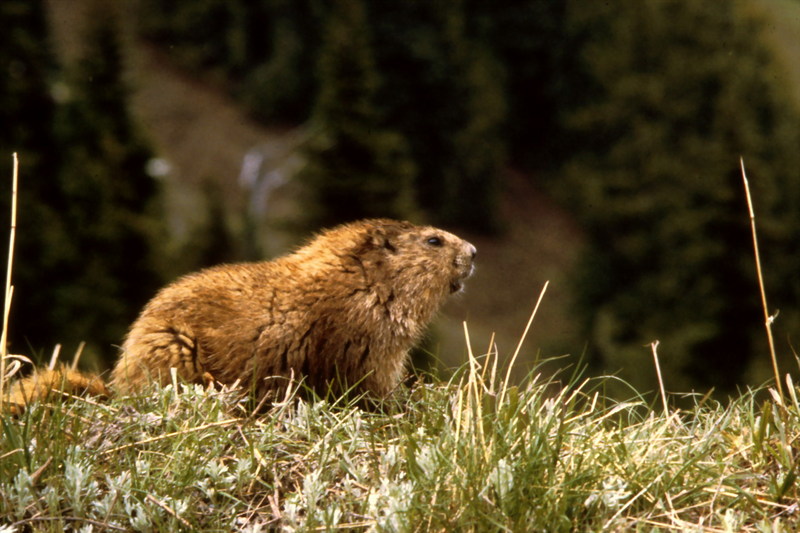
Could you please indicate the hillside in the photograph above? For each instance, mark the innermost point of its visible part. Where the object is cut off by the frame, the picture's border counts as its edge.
(473, 455)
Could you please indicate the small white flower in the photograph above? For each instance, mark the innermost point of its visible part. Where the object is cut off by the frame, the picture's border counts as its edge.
(613, 494)
(313, 489)
(732, 520)
(501, 478)
(206, 487)
(390, 504)
(142, 467)
(179, 506)
(428, 459)
(244, 470)
(137, 516)
(292, 512)
(217, 470)
(20, 492)
(80, 487)
(332, 515)
(389, 459)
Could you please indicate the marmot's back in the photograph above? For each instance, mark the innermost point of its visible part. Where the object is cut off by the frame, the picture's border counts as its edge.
(341, 311)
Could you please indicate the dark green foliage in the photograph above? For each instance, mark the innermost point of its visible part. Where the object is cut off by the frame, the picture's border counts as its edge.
(657, 181)
(83, 254)
(265, 51)
(26, 114)
(28, 70)
(529, 39)
(443, 92)
(211, 33)
(356, 167)
(107, 198)
(281, 82)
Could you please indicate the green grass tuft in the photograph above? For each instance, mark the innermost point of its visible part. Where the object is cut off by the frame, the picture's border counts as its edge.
(469, 455)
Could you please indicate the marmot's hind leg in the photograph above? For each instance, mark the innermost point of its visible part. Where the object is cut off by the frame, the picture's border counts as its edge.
(148, 356)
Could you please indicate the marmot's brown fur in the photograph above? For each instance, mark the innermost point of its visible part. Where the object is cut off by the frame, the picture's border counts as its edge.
(342, 311)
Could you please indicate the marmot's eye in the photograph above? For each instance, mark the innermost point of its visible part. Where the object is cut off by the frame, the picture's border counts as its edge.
(434, 241)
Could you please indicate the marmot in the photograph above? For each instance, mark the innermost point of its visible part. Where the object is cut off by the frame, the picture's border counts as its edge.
(342, 311)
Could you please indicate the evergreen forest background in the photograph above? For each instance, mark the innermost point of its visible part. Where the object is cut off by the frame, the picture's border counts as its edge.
(592, 144)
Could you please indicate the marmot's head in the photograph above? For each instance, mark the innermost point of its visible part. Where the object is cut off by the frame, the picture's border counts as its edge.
(421, 261)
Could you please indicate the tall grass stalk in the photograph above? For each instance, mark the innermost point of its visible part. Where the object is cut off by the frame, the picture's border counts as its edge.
(768, 319)
(522, 339)
(654, 348)
(9, 289)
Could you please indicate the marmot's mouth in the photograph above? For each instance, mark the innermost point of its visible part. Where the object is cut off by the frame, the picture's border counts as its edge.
(466, 271)
(458, 283)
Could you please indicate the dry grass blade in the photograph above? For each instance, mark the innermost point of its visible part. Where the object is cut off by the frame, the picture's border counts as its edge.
(168, 510)
(226, 422)
(521, 341)
(9, 288)
(768, 319)
(654, 348)
(54, 357)
(77, 357)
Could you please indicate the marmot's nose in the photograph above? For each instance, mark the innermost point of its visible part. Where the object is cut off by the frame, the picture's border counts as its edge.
(471, 250)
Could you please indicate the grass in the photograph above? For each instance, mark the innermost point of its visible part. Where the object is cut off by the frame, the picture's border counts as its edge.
(472, 454)
(476, 453)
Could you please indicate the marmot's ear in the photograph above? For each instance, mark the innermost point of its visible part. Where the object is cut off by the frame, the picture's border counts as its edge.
(382, 238)
(379, 241)
(385, 237)
(387, 244)
(373, 241)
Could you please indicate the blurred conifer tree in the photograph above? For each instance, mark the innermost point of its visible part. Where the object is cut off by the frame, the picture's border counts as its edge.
(108, 199)
(27, 109)
(356, 166)
(529, 39)
(281, 83)
(443, 92)
(210, 34)
(264, 51)
(679, 90)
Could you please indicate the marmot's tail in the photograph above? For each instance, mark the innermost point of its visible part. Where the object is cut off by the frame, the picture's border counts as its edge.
(45, 382)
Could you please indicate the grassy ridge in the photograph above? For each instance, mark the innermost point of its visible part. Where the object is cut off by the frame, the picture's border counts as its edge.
(474, 454)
